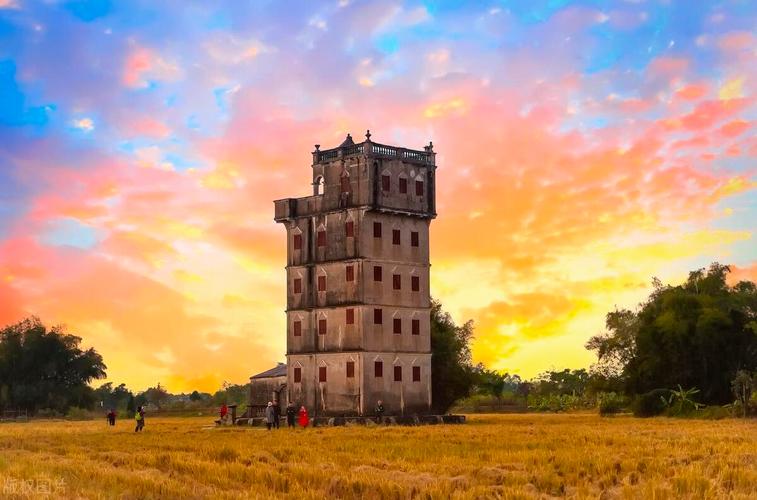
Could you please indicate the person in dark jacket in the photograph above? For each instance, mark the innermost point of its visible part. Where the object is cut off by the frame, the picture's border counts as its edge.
(379, 410)
(112, 417)
(291, 412)
(276, 414)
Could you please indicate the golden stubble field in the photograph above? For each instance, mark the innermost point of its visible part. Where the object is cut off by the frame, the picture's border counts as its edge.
(492, 456)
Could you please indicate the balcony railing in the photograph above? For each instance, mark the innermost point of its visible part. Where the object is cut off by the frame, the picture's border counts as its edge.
(379, 150)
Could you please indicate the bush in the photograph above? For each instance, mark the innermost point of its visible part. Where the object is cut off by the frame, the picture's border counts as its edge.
(79, 414)
(48, 413)
(558, 402)
(651, 404)
(610, 403)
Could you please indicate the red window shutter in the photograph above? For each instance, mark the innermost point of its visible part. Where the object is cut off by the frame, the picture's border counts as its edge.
(297, 375)
(416, 374)
(395, 236)
(377, 275)
(350, 316)
(321, 374)
(397, 282)
(297, 242)
(321, 238)
(397, 325)
(349, 229)
(378, 317)
(297, 327)
(378, 369)
(350, 273)
(321, 327)
(377, 230)
(414, 239)
(398, 374)
(321, 283)
(385, 180)
(297, 285)
(416, 327)
(350, 369)
(403, 185)
(419, 188)
(416, 281)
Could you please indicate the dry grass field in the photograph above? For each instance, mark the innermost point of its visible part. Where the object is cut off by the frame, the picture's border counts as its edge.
(492, 456)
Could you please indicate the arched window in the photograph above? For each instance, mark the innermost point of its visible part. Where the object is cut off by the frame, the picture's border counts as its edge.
(318, 185)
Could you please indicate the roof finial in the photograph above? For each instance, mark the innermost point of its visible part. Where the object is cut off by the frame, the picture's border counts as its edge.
(368, 135)
(317, 147)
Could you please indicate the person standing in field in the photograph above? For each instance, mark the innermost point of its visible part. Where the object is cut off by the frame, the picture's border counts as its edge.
(224, 412)
(379, 410)
(291, 413)
(111, 417)
(139, 416)
(304, 419)
(269, 415)
(276, 414)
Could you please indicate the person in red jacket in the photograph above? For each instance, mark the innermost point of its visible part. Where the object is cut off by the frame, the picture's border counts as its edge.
(304, 419)
(224, 412)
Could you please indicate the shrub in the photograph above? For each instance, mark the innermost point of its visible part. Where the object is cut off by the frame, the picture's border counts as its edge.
(651, 403)
(610, 403)
(75, 413)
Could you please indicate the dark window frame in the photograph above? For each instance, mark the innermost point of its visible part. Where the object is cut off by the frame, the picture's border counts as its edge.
(378, 316)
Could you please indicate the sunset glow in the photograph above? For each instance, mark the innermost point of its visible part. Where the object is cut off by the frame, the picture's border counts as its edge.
(582, 148)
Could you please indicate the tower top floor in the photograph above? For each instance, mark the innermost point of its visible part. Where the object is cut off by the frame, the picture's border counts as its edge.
(349, 148)
(367, 175)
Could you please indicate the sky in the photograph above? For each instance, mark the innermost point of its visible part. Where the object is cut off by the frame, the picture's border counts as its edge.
(583, 148)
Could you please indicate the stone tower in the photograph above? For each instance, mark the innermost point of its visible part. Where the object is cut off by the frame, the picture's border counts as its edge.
(358, 302)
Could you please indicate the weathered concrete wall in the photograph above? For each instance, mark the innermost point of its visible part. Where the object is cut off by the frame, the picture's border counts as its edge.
(399, 397)
(339, 395)
(363, 334)
(342, 395)
(262, 389)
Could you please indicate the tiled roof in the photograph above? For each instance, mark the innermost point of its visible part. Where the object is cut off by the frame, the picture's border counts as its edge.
(279, 370)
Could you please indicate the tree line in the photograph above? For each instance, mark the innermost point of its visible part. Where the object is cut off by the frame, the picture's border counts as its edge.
(695, 342)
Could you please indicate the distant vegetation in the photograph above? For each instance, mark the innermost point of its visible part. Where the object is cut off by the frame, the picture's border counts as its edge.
(687, 349)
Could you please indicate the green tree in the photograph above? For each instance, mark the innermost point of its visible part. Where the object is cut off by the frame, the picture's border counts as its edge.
(742, 386)
(490, 382)
(46, 368)
(697, 335)
(108, 396)
(232, 394)
(156, 395)
(452, 373)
